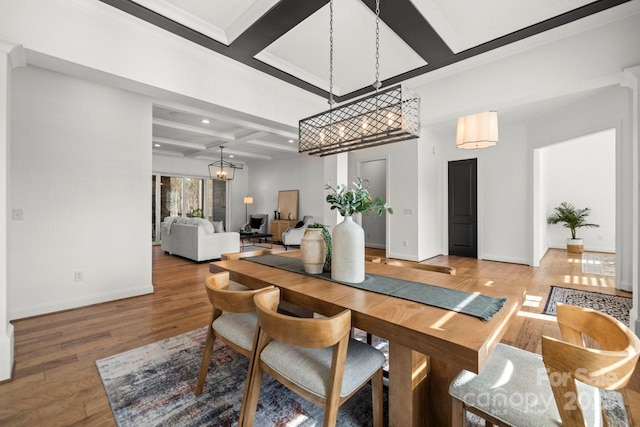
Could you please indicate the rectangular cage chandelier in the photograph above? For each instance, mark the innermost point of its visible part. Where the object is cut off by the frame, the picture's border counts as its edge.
(390, 115)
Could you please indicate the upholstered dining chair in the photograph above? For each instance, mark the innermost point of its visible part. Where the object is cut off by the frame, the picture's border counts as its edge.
(314, 358)
(233, 321)
(429, 267)
(515, 388)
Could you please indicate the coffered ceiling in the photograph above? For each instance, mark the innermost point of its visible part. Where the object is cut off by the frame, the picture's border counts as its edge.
(289, 39)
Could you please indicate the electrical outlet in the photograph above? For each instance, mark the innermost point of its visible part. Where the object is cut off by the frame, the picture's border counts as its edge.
(599, 237)
(78, 276)
(404, 243)
(17, 214)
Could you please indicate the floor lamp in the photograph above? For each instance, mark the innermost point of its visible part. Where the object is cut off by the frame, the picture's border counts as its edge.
(248, 200)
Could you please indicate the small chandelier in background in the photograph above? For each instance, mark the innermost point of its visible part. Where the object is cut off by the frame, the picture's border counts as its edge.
(387, 116)
(477, 131)
(223, 170)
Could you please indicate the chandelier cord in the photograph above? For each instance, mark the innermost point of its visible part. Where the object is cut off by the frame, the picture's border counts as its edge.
(377, 85)
(331, 101)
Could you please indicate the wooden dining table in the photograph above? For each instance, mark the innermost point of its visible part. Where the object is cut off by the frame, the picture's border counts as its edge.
(428, 346)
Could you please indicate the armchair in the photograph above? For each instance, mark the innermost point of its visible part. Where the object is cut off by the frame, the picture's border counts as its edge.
(293, 235)
(258, 222)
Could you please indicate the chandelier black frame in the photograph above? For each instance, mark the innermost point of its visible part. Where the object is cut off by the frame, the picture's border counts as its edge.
(389, 115)
(217, 169)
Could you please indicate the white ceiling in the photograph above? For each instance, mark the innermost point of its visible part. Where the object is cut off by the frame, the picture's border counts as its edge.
(290, 40)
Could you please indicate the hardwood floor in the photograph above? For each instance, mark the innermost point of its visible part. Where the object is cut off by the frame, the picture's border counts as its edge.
(56, 382)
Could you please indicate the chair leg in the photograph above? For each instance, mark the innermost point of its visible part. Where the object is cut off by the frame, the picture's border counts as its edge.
(377, 399)
(331, 413)
(252, 383)
(457, 413)
(206, 358)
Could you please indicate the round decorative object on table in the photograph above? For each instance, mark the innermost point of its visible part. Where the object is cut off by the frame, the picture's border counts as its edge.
(347, 256)
(312, 250)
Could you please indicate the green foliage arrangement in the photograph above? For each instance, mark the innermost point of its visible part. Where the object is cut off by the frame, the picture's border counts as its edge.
(570, 217)
(351, 200)
(327, 244)
(195, 213)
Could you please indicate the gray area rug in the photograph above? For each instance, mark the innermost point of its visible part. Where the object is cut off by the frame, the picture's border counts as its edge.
(153, 386)
(599, 263)
(614, 305)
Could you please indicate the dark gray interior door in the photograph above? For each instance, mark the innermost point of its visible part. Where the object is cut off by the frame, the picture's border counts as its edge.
(463, 208)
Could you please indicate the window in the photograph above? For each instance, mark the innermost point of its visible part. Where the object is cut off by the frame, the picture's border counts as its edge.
(186, 196)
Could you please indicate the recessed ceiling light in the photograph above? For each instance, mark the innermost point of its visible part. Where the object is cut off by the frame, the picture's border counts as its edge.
(206, 121)
(156, 145)
(291, 141)
(230, 155)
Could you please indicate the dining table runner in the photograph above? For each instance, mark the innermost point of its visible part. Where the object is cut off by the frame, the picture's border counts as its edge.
(481, 306)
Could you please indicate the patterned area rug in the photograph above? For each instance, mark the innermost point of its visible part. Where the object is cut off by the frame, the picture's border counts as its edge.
(153, 385)
(614, 305)
(599, 263)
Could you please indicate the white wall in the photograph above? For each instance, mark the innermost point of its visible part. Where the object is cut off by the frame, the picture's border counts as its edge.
(81, 166)
(582, 171)
(303, 173)
(96, 36)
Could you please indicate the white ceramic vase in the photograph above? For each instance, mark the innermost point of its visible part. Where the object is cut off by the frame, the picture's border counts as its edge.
(347, 252)
(312, 250)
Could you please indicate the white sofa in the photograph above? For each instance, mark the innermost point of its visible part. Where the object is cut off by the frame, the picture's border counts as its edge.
(196, 239)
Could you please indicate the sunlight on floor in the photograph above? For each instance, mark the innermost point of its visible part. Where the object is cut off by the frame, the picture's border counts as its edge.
(532, 301)
(538, 316)
(585, 281)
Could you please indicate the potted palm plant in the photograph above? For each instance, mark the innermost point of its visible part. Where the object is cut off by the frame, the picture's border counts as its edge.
(572, 218)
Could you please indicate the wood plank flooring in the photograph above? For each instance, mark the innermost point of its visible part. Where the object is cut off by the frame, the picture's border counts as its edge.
(56, 382)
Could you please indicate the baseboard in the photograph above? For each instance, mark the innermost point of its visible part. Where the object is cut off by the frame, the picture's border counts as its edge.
(7, 361)
(70, 303)
(587, 248)
(501, 258)
(634, 322)
(405, 257)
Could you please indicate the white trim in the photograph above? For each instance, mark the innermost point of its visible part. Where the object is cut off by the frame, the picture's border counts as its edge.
(70, 303)
(501, 258)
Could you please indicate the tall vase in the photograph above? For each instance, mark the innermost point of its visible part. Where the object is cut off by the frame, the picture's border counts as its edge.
(347, 255)
(312, 250)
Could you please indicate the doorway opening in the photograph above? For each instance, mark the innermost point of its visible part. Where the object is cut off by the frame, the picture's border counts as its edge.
(580, 171)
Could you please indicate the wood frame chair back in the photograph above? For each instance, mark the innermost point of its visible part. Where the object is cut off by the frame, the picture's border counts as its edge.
(223, 301)
(428, 267)
(309, 333)
(247, 254)
(608, 367)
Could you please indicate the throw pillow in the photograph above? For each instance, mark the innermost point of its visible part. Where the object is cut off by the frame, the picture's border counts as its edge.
(218, 226)
(299, 224)
(255, 222)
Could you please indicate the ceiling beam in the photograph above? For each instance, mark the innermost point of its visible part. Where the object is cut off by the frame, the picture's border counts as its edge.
(272, 25)
(244, 154)
(248, 43)
(166, 141)
(249, 123)
(273, 146)
(408, 23)
(194, 129)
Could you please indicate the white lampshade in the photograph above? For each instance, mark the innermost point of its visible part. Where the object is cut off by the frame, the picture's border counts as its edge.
(477, 131)
(248, 200)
